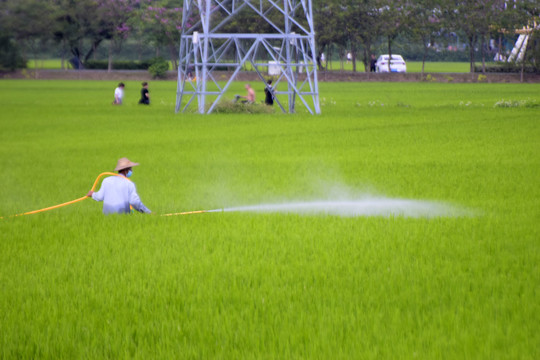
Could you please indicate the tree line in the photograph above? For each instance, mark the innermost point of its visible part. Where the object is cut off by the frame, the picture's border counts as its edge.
(358, 25)
(80, 27)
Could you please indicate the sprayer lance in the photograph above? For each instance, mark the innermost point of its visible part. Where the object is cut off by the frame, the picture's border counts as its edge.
(193, 212)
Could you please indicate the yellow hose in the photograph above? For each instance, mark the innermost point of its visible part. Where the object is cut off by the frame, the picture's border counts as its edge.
(186, 213)
(86, 197)
(72, 201)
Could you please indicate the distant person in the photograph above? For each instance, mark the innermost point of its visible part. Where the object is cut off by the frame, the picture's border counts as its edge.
(269, 93)
(119, 94)
(190, 73)
(372, 63)
(319, 65)
(118, 193)
(249, 98)
(145, 94)
(499, 57)
(323, 59)
(349, 57)
(76, 63)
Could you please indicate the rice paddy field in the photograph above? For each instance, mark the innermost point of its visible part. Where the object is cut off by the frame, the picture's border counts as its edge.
(292, 282)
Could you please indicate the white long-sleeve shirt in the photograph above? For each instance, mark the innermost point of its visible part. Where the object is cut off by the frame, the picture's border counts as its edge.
(117, 194)
(118, 95)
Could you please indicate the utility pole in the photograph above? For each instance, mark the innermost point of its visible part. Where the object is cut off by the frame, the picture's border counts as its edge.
(205, 49)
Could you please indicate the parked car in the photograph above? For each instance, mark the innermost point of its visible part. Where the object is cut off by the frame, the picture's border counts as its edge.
(397, 64)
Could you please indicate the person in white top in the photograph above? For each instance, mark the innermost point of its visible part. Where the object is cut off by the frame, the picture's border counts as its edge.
(119, 94)
(118, 193)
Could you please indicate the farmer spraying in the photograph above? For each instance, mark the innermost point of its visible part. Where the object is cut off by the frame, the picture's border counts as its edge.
(118, 192)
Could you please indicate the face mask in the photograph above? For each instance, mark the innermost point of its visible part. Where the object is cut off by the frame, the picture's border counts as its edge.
(129, 173)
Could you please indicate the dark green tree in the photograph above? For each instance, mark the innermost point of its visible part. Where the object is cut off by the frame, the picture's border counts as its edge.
(394, 16)
(10, 57)
(161, 24)
(476, 19)
(26, 22)
(369, 25)
(82, 25)
(360, 24)
(425, 23)
(326, 15)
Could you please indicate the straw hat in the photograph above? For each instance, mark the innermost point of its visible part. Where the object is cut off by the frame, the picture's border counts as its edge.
(124, 163)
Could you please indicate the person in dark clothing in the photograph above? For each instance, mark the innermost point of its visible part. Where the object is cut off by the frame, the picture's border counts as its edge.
(372, 63)
(269, 92)
(145, 94)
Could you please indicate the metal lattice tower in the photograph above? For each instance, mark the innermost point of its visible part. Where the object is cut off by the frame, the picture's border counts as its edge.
(289, 50)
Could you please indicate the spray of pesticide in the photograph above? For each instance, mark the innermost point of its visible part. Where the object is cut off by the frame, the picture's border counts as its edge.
(385, 207)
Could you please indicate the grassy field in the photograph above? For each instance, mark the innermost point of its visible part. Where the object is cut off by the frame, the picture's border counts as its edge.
(77, 284)
(439, 67)
(415, 67)
(412, 66)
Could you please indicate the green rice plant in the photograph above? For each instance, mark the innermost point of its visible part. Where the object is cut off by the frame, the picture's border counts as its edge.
(430, 78)
(226, 284)
(481, 78)
(46, 64)
(158, 68)
(230, 107)
(438, 67)
(531, 103)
